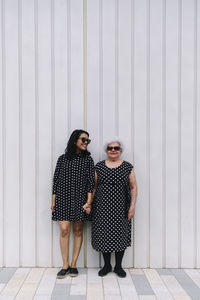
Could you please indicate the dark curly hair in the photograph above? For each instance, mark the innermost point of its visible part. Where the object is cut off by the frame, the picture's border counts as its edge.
(71, 148)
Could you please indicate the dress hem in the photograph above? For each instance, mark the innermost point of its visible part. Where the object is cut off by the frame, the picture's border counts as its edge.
(113, 250)
(74, 220)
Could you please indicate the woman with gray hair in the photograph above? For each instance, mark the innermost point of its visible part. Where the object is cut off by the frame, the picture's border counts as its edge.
(113, 206)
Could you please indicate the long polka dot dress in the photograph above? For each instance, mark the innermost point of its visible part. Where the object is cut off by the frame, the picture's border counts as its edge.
(73, 179)
(111, 230)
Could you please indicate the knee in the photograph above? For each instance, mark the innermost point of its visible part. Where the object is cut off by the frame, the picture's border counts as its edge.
(64, 232)
(78, 232)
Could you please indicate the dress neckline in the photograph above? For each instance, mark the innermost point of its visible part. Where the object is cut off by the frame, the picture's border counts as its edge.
(114, 167)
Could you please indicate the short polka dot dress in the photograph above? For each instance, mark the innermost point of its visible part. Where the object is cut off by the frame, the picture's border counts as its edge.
(73, 179)
(111, 230)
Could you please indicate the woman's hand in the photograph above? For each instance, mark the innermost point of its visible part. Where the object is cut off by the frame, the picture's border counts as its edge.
(87, 208)
(53, 206)
(53, 202)
(131, 213)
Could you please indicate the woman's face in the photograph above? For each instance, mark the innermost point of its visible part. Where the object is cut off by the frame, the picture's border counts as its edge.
(114, 151)
(82, 142)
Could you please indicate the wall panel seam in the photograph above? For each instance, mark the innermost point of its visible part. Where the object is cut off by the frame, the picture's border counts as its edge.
(69, 64)
(195, 134)
(164, 130)
(100, 75)
(3, 129)
(36, 129)
(132, 109)
(100, 83)
(148, 130)
(52, 108)
(197, 124)
(117, 67)
(85, 98)
(20, 133)
(179, 128)
(85, 62)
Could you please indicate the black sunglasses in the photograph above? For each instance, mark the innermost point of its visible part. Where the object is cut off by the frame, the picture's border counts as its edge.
(85, 140)
(116, 148)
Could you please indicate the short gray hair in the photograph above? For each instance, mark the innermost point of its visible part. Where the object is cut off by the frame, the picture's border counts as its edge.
(114, 139)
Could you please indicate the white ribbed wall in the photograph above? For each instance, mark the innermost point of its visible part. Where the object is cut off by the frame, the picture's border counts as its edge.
(125, 67)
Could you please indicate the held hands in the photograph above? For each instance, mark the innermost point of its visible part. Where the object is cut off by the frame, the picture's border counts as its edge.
(131, 213)
(87, 208)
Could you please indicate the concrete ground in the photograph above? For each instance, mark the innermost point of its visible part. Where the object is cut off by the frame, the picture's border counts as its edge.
(141, 284)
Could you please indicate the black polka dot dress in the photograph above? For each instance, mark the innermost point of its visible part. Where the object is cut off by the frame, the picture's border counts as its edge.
(111, 230)
(73, 179)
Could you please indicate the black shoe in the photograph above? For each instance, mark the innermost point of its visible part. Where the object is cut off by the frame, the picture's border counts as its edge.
(120, 272)
(73, 272)
(63, 273)
(105, 270)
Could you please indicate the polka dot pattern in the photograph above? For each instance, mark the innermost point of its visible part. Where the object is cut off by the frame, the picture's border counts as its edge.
(73, 179)
(111, 230)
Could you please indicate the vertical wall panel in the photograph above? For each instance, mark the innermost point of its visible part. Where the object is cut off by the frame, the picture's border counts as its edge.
(171, 105)
(156, 135)
(110, 49)
(124, 75)
(77, 64)
(124, 90)
(2, 134)
(60, 109)
(12, 135)
(77, 103)
(187, 134)
(108, 41)
(141, 241)
(94, 72)
(28, 234)
(198, 136)
(44, 134)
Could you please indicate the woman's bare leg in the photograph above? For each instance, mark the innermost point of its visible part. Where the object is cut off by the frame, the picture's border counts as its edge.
(78, 238)
(64, 241)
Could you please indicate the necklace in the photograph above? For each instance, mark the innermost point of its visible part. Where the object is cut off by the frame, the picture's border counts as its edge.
(113, 160)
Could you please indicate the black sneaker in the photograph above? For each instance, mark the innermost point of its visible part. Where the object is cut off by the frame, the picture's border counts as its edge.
(73, 272)
(120, 272)
(105, 270)
(63, 273)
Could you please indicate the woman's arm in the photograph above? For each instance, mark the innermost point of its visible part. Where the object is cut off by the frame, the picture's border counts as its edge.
(133, 191)
(56, 175)
(53, 202)
(87, 206)
(55, 182)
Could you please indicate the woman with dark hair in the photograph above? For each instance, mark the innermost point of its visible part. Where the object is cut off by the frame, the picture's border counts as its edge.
(73, 185)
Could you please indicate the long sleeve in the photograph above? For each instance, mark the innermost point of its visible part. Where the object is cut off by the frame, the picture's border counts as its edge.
(90, 175)
(56, 174)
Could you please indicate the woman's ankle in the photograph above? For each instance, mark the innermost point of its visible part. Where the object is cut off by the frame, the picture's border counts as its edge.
(108, 266)
(73, 265)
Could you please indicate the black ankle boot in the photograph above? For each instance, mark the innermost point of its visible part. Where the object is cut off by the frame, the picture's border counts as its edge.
(119, 271)
(105, 270)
